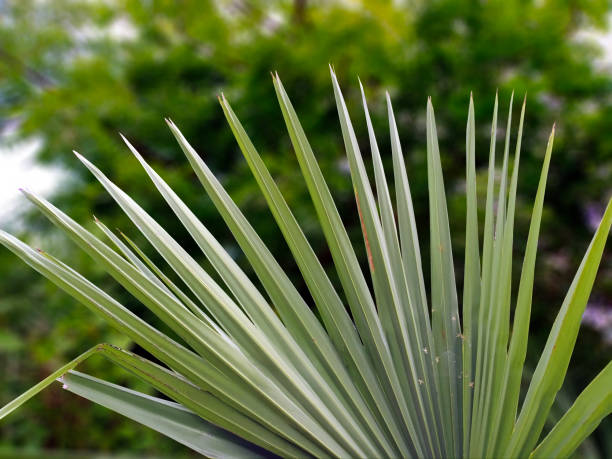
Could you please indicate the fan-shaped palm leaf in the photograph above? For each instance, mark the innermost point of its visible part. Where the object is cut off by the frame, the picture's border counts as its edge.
(257, 373)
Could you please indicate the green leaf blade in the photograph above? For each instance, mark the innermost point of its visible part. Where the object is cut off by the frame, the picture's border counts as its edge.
(471, 280)
(589, 409)
(445, 314)
(552, 366)
(167, 418)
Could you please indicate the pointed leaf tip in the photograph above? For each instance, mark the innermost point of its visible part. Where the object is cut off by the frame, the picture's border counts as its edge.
(131, 147)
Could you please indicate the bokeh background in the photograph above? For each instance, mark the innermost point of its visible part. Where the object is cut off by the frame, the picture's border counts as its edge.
(74, 73)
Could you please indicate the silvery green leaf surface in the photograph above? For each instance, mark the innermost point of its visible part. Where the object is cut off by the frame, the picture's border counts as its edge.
(374, 365)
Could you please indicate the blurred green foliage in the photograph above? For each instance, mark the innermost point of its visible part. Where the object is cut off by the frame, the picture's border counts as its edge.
(74, 73)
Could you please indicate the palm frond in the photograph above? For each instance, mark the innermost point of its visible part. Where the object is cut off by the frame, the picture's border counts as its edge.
(387, 372)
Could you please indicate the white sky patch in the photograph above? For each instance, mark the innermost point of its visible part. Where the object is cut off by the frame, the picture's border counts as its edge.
(121, 30)
(604, 40)
(18, 169)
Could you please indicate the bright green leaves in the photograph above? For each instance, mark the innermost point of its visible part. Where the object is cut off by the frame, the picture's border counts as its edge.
(552, 366)
(520, 331)
(27, 395)
(258, 368)
(589, 409)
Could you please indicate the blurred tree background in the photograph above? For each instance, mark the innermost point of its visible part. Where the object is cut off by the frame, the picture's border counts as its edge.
(74, 73)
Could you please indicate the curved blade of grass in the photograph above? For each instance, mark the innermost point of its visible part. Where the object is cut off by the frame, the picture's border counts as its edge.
(552, 366)
(168, 418)
(471, 278)
(583, 417)
(34, 390)
(254, 303)
(445, 314)
(171, 384)
(520, 330)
